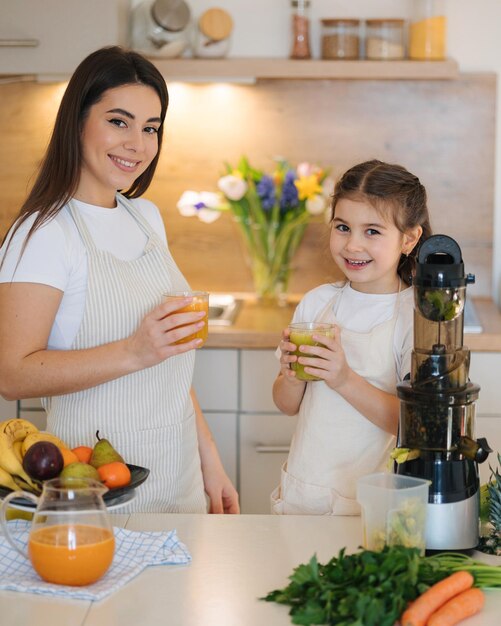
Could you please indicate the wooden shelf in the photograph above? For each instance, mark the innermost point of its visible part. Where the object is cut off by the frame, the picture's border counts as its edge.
(250, 69)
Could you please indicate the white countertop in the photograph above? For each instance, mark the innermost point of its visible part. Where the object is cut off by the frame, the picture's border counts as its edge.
(236, 560)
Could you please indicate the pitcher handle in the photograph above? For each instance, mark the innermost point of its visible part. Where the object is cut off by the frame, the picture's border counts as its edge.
(3, 516)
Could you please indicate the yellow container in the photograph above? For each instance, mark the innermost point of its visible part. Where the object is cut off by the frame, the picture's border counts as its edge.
(428, 32)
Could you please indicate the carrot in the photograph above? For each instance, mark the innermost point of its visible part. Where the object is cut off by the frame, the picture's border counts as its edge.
(433, 598)
(459, 607)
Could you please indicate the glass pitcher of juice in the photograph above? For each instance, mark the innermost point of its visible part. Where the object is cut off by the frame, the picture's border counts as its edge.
(71, 539)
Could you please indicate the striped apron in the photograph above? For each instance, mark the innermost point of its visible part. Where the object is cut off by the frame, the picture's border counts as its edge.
(148, 416)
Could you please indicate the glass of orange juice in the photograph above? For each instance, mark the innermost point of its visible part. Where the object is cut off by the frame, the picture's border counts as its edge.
(200, 302)
(71, 540)
(301, 334)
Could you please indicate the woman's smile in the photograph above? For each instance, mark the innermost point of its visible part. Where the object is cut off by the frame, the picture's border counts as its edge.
(119, 141)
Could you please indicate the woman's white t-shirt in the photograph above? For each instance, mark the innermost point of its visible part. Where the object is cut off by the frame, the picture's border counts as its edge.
(56, 256)
(361, 312)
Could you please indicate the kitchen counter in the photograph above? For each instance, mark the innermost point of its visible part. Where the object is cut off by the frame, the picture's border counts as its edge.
(259, 326)
(236, 560)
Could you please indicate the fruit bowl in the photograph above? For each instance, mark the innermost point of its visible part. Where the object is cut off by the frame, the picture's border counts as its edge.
(113, 497)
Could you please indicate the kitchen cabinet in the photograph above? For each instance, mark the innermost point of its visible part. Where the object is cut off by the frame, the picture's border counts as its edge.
(234, 390)
(51, 37)
(485, 368)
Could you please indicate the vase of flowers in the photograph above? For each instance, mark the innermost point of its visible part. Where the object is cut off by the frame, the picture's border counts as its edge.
(272, 212)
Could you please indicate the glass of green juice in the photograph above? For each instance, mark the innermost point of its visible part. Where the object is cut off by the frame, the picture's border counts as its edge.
(301, 334)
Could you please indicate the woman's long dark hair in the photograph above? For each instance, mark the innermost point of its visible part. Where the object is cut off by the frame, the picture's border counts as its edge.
(389, 187)
(59, 173)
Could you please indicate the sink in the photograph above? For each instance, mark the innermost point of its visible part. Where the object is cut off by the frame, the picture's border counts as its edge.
(223, 309)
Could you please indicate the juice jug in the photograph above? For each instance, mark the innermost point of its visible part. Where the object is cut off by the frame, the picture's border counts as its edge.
(71, 539)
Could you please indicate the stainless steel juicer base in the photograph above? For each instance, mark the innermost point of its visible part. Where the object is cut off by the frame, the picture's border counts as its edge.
(454, 525)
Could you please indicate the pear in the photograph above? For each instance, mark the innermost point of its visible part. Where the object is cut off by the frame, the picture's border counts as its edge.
(80, 470)
(104, 453)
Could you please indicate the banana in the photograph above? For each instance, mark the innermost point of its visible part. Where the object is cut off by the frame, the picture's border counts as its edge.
(10, 463)
(6, 480)
(17, 429)
(34, 487)
(16, 446)
(41, 436)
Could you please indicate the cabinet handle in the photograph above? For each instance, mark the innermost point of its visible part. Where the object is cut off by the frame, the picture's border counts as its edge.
(19, 43)
(272, 449)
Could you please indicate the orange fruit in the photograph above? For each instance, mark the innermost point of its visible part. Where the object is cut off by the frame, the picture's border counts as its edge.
(82, 453)
(115, 474)
(68, 456)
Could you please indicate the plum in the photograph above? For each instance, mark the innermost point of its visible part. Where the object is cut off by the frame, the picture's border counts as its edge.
(43, 460)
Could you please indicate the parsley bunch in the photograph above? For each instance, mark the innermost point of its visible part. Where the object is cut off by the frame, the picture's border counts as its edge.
(363, 589)
(371, 588)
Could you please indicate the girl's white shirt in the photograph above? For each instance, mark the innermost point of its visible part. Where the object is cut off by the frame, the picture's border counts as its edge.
(55, 255)
(361, 312)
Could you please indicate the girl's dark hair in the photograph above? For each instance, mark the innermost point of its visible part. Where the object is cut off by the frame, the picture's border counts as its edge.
(58, 176)
(389, 188)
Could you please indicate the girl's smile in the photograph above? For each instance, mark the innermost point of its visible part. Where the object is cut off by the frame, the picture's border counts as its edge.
(367, 246)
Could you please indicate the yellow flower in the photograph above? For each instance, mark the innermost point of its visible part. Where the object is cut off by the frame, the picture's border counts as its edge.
(307, 186)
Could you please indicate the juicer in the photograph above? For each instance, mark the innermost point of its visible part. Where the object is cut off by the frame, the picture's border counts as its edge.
(437, 403)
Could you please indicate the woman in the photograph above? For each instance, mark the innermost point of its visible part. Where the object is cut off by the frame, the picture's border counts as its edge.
(83, 269)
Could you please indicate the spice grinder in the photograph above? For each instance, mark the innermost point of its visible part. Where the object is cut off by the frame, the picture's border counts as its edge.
(436, 438)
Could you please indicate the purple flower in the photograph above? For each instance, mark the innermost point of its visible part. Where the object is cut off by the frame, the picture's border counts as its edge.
(289, 197)
(266, 192)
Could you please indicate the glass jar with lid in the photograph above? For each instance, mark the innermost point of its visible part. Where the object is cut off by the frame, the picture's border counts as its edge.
(300, 48)
(340, 38)
(213, 36)
(385, 39)
(427, 31)
(160, 28)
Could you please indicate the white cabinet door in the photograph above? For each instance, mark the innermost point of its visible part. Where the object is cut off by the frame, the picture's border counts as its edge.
(216, 379)
(223, 427)
(264, 446)
(259, 370)
(52, 36)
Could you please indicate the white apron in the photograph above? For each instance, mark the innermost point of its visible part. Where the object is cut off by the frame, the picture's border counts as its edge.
(148, 416)
(334, 444)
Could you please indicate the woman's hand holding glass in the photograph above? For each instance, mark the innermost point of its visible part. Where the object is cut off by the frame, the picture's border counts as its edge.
(156, 338)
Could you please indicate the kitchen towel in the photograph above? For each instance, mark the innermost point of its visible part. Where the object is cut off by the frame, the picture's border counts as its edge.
(134, 551)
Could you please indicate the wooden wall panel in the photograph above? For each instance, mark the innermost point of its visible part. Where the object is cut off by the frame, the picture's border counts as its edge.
(443, 131)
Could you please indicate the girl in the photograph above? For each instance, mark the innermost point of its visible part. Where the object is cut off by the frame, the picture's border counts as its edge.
(82, 272)
(347, 421)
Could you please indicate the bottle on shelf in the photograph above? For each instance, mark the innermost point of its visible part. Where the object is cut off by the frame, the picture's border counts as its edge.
(427, 31)
(300, 29)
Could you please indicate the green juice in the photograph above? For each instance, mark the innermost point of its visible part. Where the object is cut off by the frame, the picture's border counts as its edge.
(304, 337)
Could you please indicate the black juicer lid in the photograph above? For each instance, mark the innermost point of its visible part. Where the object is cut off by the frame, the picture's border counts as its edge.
(440, 264)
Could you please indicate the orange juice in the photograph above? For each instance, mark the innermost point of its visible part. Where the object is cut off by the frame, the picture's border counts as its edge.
(71, 554)
(200, 302)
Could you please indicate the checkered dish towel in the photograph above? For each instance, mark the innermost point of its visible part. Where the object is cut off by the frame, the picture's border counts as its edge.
(134, 551)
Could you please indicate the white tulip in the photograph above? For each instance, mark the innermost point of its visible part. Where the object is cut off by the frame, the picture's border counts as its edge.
(233, 187)
(316, 205)
(186, 203)
(208, 215)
